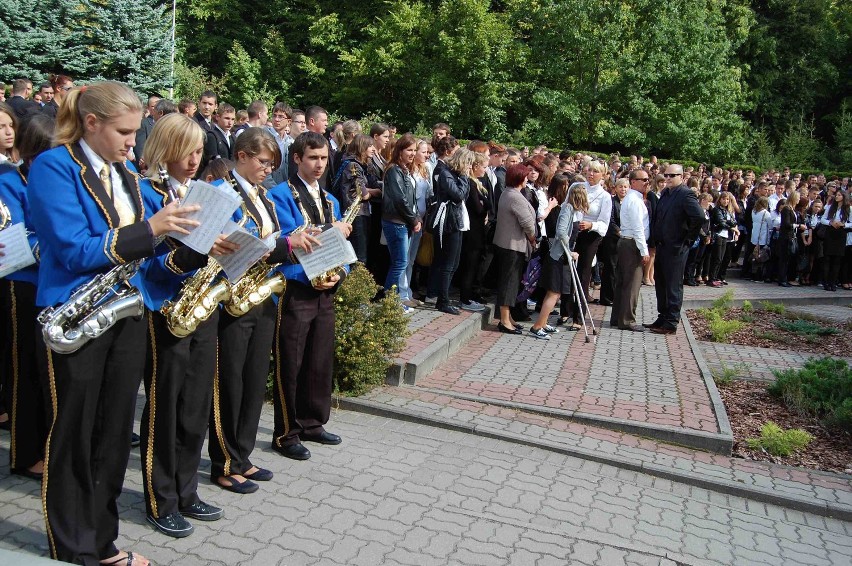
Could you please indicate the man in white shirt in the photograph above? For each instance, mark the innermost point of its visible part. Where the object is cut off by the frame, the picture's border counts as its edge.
(632, 252)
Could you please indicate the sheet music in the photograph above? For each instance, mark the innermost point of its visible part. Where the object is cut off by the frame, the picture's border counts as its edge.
(17, 253)
(251, 250)
(334, 252)
(218, 204)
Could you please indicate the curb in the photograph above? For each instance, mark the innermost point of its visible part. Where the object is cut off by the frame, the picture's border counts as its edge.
(716, 443)
(422, 364)
(804, 504)
(715, 398)
(830, 300)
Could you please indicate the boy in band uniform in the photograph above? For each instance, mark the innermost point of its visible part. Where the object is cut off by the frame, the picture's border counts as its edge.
(303, 347)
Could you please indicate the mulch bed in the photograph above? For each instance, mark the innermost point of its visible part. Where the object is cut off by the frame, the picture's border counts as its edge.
(749, 407)
(763, 324)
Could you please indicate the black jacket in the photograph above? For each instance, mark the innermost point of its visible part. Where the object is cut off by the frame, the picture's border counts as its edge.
(399, 201)
(23, 107)
(721, 219)
(677, 219)
(215, 147)
(453, 189)
(50, 109)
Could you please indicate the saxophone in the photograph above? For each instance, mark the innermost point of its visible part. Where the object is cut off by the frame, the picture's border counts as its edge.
(348, 217)
(257, 285)
(5, 216)
(92, 309)
(199, 297)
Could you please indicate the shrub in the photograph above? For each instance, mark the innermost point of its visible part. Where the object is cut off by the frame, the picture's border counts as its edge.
(822, 389)
(780, 442)
(776, 308)
(747, 306)
(721, 329)
(723, 303)
(726, 374)
(805, 327)
(368, 334)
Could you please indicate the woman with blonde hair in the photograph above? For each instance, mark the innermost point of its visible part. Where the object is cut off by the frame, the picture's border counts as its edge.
(88, 211)
(8, 129)
(452, 185)
(723, 227)
(787, 243)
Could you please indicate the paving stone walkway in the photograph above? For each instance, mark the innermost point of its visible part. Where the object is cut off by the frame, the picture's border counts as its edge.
(699, 296)
(754, 363)
(402, 493)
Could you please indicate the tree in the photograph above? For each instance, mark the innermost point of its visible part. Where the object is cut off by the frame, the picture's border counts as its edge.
(123, 50)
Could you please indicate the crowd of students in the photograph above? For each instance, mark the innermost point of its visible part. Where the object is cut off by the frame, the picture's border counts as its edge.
(527, 228)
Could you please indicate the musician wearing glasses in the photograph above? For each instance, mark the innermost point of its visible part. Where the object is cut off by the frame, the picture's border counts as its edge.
(245, 337)
(88, 211)
(303, 352)
(181, 361)
(675, 226)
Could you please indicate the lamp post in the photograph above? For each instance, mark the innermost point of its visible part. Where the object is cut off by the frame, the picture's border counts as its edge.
(174, 25)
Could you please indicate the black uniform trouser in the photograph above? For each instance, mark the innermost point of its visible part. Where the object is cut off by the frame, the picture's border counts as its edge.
(608, 258)
(27, 396)
(669, 264)
(179, 376)
(240, 387)
(93, 394)
(303, 360)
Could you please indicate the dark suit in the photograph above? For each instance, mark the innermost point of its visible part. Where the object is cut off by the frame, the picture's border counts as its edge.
(216, 147)
(677, 220)
(142, 136)
(23, 107)
(50, 108)
(607, 253)
(205, 125)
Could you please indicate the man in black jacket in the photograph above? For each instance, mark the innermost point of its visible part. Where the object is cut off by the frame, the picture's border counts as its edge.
(219, 142)
(206, 107)
(676, 223)
(607, 252)
(20, 99)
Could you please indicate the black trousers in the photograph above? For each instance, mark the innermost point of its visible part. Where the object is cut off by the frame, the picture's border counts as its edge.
(444, 265)
(784, 260)
(360, 237)
(719, 258)
(473, 241)
(608, 258)
(179, 377)
(240, 387)
(303, 360)
(27, 397)
(669, 264)
(628, 283)
(587, 245)
(93, 395)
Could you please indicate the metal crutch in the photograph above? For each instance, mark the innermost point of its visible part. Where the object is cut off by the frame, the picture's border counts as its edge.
(581, 302)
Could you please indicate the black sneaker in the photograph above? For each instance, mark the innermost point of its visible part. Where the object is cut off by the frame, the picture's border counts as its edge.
(202, 511)
(173, 525)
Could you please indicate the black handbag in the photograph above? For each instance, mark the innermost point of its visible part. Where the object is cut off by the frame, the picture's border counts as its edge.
(820, 231)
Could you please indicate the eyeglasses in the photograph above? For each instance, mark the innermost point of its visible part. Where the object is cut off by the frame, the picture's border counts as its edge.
(263, 163)
(298, 121)
(641, 179)
(670, 175)
(66, 88)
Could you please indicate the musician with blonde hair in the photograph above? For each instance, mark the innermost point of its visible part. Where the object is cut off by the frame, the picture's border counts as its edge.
(180, 368)
(88, 211)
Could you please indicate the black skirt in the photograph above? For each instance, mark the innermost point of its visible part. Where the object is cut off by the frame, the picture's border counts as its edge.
(555, 274)
(512, 265)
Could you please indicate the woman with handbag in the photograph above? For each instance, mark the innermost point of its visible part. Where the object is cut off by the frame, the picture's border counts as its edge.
(451, 191)
(760, 222)
(723, 225)
(514, 240)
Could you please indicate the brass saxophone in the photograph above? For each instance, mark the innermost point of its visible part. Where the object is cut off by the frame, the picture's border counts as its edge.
(5, 216)
(257, 285)
(199, 297)
(92, 309)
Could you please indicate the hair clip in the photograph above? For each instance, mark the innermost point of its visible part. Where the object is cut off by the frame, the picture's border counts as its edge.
(83, 89)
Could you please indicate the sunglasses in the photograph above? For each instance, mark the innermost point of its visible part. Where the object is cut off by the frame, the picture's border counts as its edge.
(670, 175)
(641, 180)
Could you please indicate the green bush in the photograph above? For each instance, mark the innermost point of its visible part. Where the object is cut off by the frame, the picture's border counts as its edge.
(726, 374)
(368, 334)
(776, 308)
(721, 330)
(822, 389)
(780, 442)
(747, 306)
(805, 327)
(723, 303)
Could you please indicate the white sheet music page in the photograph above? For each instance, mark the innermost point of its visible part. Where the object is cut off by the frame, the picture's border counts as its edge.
(334, 252)
(251, 250)
(218, 204)
(17, 253)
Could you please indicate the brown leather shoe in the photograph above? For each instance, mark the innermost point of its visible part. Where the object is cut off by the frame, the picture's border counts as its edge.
(633, 328)
(663, 330)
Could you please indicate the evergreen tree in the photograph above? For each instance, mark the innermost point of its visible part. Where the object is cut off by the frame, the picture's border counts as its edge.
(131, 42)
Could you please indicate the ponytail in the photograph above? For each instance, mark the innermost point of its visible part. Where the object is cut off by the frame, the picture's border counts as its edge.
(105, 100)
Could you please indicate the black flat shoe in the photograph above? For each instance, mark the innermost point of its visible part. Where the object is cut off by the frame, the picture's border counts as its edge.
(449, 309)
(605, 303)
(293, 451)
(235, 486)
(506, 330)
(25, 473)
(173, 525)
(259, 475)
(135, 440)
(324, 437)
(519, 326)
(203, 512)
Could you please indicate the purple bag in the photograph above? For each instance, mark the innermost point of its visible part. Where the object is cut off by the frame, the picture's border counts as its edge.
(530, 279)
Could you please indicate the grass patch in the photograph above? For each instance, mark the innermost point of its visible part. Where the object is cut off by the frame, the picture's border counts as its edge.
(723, 303)
(780, 442)
(821, 389)
(805, 327)
(726, 374)
(747, 318)
(747, 306)
(776, 308)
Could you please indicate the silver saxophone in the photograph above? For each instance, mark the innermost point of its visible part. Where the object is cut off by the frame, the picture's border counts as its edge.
(92, 309)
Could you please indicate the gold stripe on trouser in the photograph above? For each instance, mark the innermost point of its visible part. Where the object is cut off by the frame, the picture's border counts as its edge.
(217, 416)
(54, 405)
(278, 379)
(152, 413)
(15, 369)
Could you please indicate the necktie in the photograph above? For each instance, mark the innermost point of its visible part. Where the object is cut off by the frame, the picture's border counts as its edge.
(264, 228)
(181, 191)
(125, 214)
